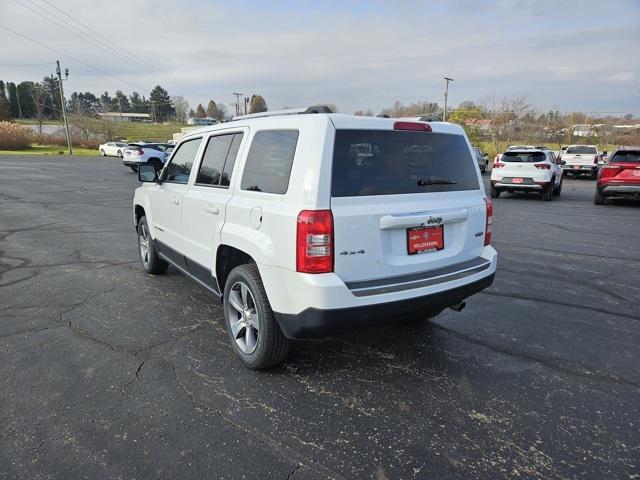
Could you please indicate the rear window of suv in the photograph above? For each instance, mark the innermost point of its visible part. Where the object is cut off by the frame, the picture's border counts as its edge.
(392, 162)
(626, 156)
(533, 157)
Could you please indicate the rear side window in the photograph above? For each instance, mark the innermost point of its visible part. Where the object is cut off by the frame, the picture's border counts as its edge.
(626, 156)
(179, 167)
(269, 161)
(582, 150)
(523, 157)
(218, 160)
(390, 162)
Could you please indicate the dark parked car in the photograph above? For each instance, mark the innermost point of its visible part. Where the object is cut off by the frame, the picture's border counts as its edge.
(481, 158)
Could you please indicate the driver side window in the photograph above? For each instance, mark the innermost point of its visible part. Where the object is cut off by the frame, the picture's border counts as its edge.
(179, 169)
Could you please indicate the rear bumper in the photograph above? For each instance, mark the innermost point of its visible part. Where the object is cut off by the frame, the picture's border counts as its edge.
(315, 323)
(535, 186)
(617, 189)
(129, 162)
(580, 168)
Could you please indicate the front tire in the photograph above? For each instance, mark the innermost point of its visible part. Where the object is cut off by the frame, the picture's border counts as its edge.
(495, 193)
(149, 258)
(119, 153)
(547, 194)
(102, 153)
(253, 330)
(557, 190)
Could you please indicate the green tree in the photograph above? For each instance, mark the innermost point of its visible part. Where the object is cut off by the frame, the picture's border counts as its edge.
(258, 104)
(13, 100)
(467, 118)
(121, 102)
(53, 105)
(138, 104)
(3, 92)
(27, 108)
(161, 103)
(5, 109)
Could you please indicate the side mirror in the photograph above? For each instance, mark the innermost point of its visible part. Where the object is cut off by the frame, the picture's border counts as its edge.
(147, 173)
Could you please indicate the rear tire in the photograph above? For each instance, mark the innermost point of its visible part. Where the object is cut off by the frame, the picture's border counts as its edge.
(495, 193)
(547, 193)
(253, 330)
(149, 258)
(599, 198)
(102, 154)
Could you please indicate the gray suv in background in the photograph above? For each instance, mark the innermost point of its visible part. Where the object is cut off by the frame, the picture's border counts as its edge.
(481, 158)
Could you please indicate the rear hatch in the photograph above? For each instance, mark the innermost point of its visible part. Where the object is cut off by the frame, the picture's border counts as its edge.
(623, 168)
(521, 167)
(581, 155)
(404, 202)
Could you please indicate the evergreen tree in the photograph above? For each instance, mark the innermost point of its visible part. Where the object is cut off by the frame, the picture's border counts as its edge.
(27, 107)
(192, 113)
(161, 103)
(53, 106)
(13, 100)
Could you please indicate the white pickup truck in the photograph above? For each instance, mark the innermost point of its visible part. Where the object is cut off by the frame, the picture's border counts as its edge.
(581, 159)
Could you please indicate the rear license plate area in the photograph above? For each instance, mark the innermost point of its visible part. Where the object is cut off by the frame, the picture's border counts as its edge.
(518, 180)
(425, 239)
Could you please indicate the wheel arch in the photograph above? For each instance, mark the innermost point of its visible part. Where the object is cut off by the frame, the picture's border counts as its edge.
(228, 258)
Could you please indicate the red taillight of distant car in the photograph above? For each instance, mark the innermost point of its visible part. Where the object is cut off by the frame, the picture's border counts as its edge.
(543, 166)
(498, 165)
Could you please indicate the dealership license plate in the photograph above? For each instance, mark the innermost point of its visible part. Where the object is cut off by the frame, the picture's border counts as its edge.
(425, 239)
(636, 173)
(518, 180)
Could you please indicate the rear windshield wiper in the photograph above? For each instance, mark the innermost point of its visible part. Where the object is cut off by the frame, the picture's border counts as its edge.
(435, 181)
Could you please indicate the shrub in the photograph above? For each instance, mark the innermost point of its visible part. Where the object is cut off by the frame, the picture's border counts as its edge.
(76, 141)
(15, 137)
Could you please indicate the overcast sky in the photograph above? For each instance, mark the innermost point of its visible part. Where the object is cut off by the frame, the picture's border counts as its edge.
(572, 55)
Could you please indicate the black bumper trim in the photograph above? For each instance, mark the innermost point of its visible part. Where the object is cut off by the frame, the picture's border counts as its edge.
(316, 323)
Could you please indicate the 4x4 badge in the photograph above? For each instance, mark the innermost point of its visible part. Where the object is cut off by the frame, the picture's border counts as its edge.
(351, 252)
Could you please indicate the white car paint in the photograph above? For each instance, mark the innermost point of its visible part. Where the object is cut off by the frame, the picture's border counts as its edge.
(534, 178)
(112, 149)
(195, 220)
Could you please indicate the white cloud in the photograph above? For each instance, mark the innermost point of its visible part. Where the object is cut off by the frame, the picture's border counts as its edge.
(354, 54)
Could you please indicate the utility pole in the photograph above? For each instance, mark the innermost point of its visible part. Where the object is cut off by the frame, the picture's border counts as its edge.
(246, 102)
(238, 95)
(64, 110)
(446, 94)
(153, 111)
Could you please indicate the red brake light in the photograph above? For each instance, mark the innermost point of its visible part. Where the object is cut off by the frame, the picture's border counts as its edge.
(314, 243)
(498, 165)
(414, 126)
(543, 166)
(489, 222)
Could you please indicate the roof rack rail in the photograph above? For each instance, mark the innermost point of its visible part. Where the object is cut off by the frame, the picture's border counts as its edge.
(289, 111)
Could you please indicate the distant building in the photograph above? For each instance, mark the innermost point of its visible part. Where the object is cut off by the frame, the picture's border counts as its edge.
(125, 117)
(202, 121)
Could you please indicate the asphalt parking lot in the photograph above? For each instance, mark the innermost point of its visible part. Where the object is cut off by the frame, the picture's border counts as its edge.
(107, 372)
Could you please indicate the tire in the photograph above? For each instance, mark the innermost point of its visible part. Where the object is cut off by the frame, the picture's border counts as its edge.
(261, 344)
(557, 190)
(102, 153)
(547, 193)
(149, 258)
(495, 193)
(119, 153)
(599, 198)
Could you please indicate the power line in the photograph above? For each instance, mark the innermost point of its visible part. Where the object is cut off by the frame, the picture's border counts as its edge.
(28, 64)
(97, 69)
(119, 49)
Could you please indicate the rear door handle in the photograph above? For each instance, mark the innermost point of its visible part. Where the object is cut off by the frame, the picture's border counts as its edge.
(212, 210)
(174, 201)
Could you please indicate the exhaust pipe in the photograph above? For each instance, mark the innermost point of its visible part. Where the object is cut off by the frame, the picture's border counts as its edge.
(458, 307)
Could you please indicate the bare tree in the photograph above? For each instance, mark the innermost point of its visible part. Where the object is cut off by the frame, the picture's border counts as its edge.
(506, 113)
(181, 105)
(39, 94)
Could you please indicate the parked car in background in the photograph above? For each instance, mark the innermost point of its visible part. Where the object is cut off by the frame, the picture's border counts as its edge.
(112, 149)
(481, 159)
(307, 224)
(137, 154)
(527, 170)
(581, 160)
(620, 177)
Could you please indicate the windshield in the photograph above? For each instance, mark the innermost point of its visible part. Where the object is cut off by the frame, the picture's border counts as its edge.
(523, 157)
(582, 150)
(383, 162)
(626, 156)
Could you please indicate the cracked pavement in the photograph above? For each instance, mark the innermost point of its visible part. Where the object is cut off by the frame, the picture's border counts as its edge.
(110, 373)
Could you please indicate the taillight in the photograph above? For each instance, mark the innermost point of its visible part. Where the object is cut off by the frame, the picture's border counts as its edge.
(608, 171)
(413, 126)
(489, 222)
(559, 157)
(314, 244)
(543, 166)
(595, 160)
(498, 165)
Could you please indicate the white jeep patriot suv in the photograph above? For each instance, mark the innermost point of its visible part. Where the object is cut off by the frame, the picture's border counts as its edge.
(308, 223)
